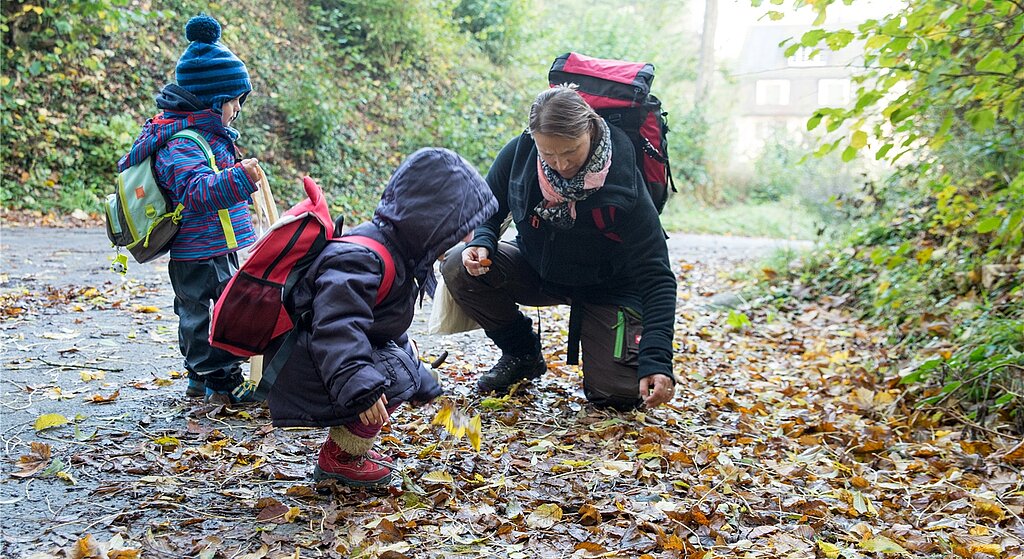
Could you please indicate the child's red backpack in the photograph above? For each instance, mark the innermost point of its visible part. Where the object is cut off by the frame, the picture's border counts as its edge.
(621, 93)
(250, 313)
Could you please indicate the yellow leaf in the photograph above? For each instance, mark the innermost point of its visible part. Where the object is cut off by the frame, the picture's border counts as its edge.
(882, 544)
(291, 514)
(992, 549)
(37, 10)
(86, 547)
(443, 417)
(92, 375)
(473, 431)
(438, 476)
(49, 420)
(839, 357)
(859, 139)
(989, 509)
(828, 550)
(4, 81)
(544, 516)
(167, 441)
(146, 309)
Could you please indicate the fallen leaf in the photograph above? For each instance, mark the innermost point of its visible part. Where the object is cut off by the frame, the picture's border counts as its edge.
(589, 515)
(544, 516)
(438, 476)
(147, 309)
(828, 550)
(167, 441)
(49, 420)
(99, 399)
(882, 544)
(87, 548)
(34, 462)
(473, 432)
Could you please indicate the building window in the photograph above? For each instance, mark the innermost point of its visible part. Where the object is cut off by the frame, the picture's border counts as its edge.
(834, 92)
(772, 92)
(805, 57)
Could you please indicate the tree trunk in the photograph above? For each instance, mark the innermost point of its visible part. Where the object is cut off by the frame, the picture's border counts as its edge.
(706, 190)
(706, 66)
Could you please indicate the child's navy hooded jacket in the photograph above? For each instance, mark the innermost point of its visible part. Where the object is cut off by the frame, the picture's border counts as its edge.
(349, 352)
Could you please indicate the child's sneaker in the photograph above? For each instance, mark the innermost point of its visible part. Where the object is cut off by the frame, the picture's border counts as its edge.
(232, 397)
(369, 469)
(196, 387)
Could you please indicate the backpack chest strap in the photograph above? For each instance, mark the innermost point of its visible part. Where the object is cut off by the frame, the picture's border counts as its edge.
(385, 256)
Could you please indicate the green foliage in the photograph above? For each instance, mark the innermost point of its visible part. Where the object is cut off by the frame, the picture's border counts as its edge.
(497, 25)
(785, 219)
(374, 31)
(944, 98)
(80, 77)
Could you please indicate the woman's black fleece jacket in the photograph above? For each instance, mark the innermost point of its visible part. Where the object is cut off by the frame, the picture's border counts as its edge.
(624, 263)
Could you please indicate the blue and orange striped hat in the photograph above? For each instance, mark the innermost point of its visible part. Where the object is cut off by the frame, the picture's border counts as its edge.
(207, 68)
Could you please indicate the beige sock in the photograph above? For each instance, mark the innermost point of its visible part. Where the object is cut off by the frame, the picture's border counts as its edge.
(350, 443)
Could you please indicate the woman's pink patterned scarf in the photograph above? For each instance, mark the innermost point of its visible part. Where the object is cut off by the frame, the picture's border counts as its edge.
(560, 194)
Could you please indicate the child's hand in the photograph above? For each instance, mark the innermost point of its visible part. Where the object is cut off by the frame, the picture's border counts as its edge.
(377, 414)
(251, 167)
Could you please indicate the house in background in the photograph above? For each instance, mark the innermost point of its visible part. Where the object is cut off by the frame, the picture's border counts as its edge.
(778, 94)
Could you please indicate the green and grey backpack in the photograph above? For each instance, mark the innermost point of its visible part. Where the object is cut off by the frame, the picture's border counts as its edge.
(140, 215)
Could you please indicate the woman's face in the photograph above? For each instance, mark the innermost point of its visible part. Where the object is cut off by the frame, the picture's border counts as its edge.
(565, 155)
(229, 110)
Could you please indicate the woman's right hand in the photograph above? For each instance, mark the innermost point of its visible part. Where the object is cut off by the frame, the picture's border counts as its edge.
(474, 259)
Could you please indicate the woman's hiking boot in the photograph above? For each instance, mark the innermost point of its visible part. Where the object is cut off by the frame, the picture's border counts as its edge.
(509, 370)
(362, 470)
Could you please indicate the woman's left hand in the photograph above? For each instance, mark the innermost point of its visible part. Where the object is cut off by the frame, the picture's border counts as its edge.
(377, 414)
(657, 390)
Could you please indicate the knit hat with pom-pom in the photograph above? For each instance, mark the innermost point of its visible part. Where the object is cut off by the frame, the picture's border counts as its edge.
(207, 68)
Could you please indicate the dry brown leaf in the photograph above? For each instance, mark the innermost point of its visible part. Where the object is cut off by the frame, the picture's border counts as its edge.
(589, 515)
(87, 548)
(99, 399)
(984, 448)
(989, 509)
(590, 547)
(34, 462)
(272, 512)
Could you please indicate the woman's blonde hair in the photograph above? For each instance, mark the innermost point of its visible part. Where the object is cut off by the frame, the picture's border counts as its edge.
(561, 111)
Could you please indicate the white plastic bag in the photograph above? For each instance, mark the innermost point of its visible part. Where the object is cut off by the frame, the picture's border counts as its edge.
(446, 316)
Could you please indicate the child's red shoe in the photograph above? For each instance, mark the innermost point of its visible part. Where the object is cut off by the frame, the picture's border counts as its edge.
(369, 469)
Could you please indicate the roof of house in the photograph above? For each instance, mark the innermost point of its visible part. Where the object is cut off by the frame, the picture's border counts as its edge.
(761, 53)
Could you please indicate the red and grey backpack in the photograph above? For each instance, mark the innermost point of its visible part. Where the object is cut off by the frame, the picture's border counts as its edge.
(250, 313)
(621, 93)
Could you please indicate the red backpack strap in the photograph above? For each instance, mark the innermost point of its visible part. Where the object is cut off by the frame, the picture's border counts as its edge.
(385, 256)
(604, 219)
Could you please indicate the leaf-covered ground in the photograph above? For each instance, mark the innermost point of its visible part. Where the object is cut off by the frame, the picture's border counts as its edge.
(784, 441)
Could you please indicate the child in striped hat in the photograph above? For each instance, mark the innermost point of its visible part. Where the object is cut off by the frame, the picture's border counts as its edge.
(214, 185)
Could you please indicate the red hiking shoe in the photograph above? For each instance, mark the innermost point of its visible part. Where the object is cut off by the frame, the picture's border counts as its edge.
(369, 469)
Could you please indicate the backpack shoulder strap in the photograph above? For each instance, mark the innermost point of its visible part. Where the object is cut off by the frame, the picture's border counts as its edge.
(385, 255)
(284, 351)
(200, 140)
